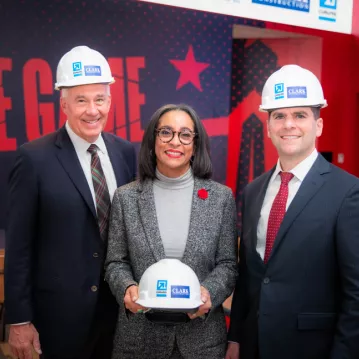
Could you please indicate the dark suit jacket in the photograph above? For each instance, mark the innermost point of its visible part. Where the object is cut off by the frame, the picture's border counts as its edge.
(54, 253)
(304, 304)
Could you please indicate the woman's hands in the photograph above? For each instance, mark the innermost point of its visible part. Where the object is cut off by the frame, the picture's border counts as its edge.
(205, 307)
(131, 295)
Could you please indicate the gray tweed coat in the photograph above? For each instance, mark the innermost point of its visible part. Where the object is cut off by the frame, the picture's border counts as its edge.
(211, 251)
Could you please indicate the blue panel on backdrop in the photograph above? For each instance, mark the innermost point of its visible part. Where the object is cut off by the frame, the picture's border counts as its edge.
(328, 4)
(300, 5)
(327, 10)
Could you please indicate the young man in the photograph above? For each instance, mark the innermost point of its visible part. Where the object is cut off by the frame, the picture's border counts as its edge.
(60, 194)
(297, 295)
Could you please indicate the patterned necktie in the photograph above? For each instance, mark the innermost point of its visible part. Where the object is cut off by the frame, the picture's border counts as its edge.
(277, 213)
(103, 202)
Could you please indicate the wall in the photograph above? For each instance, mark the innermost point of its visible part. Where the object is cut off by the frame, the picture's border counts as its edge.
(355, 31)
(340, 80)
(158, 55)
(250, 151)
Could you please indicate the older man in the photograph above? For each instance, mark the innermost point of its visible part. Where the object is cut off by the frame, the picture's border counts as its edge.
(60, 194)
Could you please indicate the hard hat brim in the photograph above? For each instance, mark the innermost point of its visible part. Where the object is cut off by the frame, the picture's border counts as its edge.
(265, 109)
(179, 304)
(90, 81)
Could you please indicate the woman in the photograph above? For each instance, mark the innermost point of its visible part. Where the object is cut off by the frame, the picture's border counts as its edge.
(173, 211)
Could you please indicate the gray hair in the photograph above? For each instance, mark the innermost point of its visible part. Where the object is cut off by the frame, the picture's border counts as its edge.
(64, 91)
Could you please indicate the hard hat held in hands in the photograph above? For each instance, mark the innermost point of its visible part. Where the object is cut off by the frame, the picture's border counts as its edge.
(82, 66)
(170, 285)
(292, 86)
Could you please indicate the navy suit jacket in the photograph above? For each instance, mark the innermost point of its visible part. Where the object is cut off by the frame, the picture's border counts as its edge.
(304, 304)
(54, 252)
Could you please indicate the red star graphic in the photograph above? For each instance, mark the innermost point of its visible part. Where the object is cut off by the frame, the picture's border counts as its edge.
(189, 70)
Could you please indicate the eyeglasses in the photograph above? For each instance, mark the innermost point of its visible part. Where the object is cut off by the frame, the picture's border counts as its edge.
(166, 135)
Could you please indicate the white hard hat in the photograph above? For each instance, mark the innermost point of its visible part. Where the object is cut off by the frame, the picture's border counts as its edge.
(82, 66)
(292, 86)
(171, 285)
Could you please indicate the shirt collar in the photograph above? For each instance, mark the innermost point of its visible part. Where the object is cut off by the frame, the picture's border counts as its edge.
(300, 170)
(81, 145)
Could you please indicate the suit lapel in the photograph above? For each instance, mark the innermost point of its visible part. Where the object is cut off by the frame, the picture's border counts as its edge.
(263, 185)
(255, 215)
(150, 223)
(199, 210)
(149, 219)
(68, 158)
(312, 182)
(116, 158)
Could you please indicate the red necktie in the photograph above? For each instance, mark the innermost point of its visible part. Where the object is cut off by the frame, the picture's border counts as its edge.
(103, 202)
(277, 213)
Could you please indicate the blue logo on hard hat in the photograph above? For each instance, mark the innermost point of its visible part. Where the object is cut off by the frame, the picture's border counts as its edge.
(77, 69)
(278, 91)
(297, 92)
(161, 290)
(92, 70)
(180, 291)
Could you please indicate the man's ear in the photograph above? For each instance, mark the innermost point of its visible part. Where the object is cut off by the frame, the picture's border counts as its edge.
(319, 126)
(63, 104)
(268, 133)
(109, 100)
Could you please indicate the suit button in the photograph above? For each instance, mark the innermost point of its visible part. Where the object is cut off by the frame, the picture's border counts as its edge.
(94, 288)
(95, 255)
(266, 280)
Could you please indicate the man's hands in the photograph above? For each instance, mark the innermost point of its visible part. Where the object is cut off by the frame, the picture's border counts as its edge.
(232, 351)
(205, 307)
(131, 295)
(22, 339)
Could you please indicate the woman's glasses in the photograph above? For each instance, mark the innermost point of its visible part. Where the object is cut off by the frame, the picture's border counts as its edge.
(166, 135)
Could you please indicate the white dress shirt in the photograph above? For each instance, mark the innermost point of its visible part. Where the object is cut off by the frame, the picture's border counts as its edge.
(299, 172)
(81, 147)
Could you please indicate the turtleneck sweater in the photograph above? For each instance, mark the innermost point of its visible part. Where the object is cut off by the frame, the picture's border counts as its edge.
(173, 201)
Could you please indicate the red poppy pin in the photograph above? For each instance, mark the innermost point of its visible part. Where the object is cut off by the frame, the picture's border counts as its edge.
(202, 193)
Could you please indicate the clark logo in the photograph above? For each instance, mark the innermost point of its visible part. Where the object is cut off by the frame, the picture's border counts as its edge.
(297, 92)
(91, 70)
(180, 291)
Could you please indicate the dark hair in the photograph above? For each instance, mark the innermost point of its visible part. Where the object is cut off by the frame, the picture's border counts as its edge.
(315, 110)
(201, 161)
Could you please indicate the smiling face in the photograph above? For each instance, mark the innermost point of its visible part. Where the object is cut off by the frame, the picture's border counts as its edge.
(173, 158)
(87, 108)
(293, 132)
